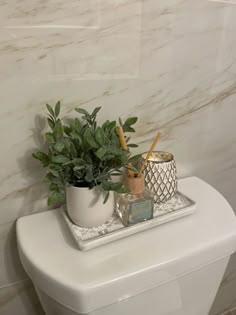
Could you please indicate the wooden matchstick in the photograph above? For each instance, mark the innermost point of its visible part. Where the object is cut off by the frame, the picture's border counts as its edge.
(156, 139)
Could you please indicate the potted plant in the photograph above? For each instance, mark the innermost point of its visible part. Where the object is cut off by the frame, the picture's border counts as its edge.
(81, 161)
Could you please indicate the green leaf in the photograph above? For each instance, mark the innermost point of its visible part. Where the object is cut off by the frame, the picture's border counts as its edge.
(100, 136)
(50, 110)
(53, 186)
(120, 121)
(94, 113)
(58, 130)
(50, 123)
(115, 140)
(108, 157)
(106, 197)
(124, 157)
(75, 136)
(42, 157)
(132, 145)
(112, 125)
(50, 178)
(55, 197)
(115, 186)
(59, 146)
(128, 129)
(116, 151)
(79, 162)
(67, 130)
(90, 139)
(134, 158)
(123, 190)
(57, 108)
(130, 121)
(49, 137)
(132, 168)
(77, 125)
(73, 150)
(82, 111)
(89, 175)
(101, 152)
(54, 172)
(106, 185)
(105, 124)
(60, 159)
(78, 168)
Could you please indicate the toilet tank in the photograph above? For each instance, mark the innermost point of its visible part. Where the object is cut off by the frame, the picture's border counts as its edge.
(173, 269)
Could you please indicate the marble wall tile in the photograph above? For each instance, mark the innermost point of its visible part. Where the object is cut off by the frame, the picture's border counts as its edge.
(19, 298)
(110, 51)
(172, 63)
(11, 269)
(46, 14)
(176, 79)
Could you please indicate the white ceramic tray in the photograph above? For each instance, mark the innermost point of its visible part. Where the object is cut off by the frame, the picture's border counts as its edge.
(88, 238)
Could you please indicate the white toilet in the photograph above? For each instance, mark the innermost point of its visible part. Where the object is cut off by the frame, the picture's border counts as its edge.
(173, 269)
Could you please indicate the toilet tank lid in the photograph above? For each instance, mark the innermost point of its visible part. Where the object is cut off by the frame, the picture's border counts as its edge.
(86, 281)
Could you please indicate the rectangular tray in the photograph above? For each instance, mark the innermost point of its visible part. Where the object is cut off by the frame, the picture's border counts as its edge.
(88, 238)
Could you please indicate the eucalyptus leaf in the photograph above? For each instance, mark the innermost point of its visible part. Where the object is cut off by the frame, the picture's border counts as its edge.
(101, 152)
(82, 111)
(79, 168)
(100, 136)
(132, 145)
(89, 175)
(96, 110)
(67, 130)
(76, 136)
(49, 137)
(78, 162)
(42, 157)
(135, 158)
(58, 130)
(50, 110)
(60, 159)
(116, 186)
(128, 129)
(77, 125)
(90, 139)
(59, 146)
(55, 197)
(112, 125)
(130, 121)
(106, 197)
(51, 123)
(57, 108)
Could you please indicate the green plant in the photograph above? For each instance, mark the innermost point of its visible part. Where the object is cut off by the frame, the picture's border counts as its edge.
(83, 154)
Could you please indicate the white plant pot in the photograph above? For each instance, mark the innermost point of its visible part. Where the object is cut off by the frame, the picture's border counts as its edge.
(85, 206)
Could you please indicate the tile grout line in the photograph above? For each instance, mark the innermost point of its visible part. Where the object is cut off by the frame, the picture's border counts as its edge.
(13, 283)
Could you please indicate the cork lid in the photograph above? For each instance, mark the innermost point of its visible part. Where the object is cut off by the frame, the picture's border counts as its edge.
(134, 184)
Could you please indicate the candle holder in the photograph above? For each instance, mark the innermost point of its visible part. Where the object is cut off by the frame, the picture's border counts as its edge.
(160, 175)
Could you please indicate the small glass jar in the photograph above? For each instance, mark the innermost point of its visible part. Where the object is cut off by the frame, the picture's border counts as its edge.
(136, 206)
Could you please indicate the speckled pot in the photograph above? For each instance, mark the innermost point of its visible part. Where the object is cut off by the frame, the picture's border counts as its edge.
(160, 175)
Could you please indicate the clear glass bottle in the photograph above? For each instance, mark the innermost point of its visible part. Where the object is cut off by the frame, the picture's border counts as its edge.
(136, 206)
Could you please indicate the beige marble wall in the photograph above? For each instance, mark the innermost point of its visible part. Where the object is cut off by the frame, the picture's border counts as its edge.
(172, 63)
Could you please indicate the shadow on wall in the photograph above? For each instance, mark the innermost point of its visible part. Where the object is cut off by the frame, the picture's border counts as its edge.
(35, 194)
